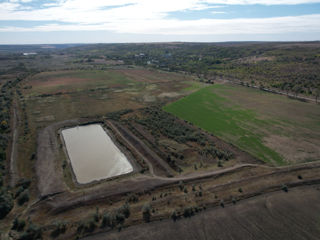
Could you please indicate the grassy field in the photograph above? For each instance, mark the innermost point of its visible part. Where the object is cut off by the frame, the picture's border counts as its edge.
(273, 128)
(60, 95)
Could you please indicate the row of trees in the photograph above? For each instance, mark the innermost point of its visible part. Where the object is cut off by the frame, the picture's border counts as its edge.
(269, 64)
(161, 123)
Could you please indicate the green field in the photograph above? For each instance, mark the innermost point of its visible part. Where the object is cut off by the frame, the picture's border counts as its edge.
(265, 125)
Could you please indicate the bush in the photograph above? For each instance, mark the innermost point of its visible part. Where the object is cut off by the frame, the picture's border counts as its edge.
(33, 232)
(125, 210)
(120, 218)
(24, 183)
(146, 214)
(234, 200)
(60, 228)
(284, 188)
(174, 216)
(18, 225)
(90, 226)
(181, 186)
(6, 204)
(188, 212)
(185, 190)
(132, 198)
(23, 198)
(96, 216)
(18, 191)
(106, 220)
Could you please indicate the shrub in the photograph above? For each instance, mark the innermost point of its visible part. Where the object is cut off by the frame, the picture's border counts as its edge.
(146, 214)
(132, 198)
(174, 216)
(60, 228)
(33, 232)
(6, 204)
(25, 183)
(125, 210)
(284, 188)
(188, 212)
(106, 220)
(18, 191)
(18, 224)
(90, 226)
(120, 218)
(181, 186)
(96, 216)
(24, 197)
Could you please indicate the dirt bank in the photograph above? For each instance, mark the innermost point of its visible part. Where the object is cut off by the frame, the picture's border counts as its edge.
(49, 174)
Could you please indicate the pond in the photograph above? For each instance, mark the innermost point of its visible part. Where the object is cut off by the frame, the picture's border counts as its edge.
(93, 154)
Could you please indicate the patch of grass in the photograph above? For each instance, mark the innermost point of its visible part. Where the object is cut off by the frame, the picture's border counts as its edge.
(193, 86)
(218, 115)
(75, 81)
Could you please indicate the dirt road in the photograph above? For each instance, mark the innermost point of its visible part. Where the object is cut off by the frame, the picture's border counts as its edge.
(14, 153)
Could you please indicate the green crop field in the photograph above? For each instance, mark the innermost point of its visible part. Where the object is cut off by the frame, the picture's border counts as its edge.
(255, 121)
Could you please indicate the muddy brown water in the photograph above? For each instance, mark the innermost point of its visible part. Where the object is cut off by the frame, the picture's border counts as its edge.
(93, 154)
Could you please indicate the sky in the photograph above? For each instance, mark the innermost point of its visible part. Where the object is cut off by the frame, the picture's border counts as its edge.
(109, 21)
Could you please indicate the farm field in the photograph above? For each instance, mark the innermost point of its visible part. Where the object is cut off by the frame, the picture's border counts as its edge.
(273, 128)
(60, 95)
(211, 154)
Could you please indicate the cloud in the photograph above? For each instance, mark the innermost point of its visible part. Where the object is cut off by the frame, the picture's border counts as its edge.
(218, 12)
(262, 2)
(279, 25)
(150, 17)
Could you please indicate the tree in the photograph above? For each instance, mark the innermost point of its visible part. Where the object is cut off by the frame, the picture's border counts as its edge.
(6, 204)
(297, 90)
(4, 124)
(24, 197)
(174, 216)
(317, 94)
(146, 214)
(188, 212)
(125, 210)
(106, 220)
(33, 232)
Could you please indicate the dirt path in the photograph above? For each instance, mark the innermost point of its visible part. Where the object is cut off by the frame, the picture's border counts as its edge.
(14, 153)
(69, 200)
(274, 91)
